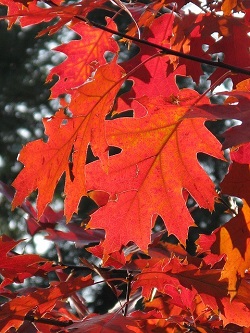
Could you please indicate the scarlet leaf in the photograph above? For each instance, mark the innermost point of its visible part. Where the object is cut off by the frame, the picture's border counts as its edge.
(164, 147)
(45, 162)
(150, 71)
(239, 134)
(241, 155)
(143, 15)
(77, 235)
(236, 106)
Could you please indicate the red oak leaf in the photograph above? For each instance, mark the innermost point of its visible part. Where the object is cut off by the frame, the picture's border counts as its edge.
(144, 14)
(236, 106)
(83, 57)
(150, 71)
(188, 36)
(13, 10)
(76, 234)
(241, 154)
(233, 238)
(68, 139)
(158, 163)
(239, 134)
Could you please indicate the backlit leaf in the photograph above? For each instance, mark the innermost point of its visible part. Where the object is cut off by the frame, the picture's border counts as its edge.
(164, 147)
(45, 162)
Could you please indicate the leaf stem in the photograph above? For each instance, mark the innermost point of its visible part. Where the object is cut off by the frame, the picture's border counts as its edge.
(128, 291)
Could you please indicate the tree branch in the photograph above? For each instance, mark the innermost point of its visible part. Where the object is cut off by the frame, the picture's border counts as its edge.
(166, 50)
(163, 49)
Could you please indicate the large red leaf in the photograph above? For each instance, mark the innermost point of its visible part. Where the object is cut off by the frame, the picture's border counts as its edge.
(151, 175)
(68, 140)
(41, 301)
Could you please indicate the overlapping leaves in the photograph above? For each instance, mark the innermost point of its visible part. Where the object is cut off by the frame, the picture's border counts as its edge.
(147, 167)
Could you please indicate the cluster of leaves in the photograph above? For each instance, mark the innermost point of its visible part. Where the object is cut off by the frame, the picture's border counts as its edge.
(127, 137)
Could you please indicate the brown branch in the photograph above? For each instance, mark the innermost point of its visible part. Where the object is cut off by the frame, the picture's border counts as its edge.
(166, 50)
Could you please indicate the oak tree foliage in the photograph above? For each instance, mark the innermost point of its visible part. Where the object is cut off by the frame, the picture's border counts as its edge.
(127, 137)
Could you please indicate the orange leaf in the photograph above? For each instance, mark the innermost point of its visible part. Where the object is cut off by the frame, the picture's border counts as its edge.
(68, 140)
(157, 164)
(229, 5)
